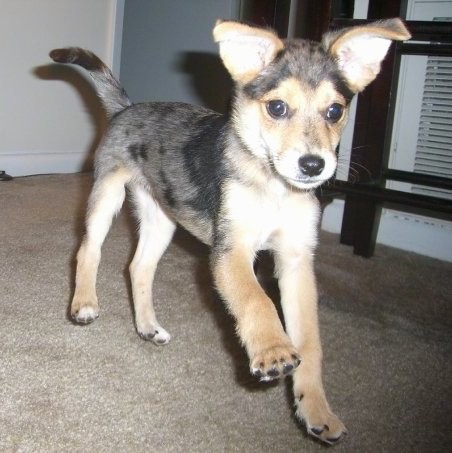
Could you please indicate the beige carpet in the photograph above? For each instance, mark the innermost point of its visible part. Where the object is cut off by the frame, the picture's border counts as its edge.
(386, 326)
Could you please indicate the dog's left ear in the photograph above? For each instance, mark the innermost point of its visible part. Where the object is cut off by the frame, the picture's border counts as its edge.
(360, 50)
(245, 50)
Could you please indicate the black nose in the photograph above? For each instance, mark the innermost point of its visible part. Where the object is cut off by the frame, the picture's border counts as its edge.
(311, 165)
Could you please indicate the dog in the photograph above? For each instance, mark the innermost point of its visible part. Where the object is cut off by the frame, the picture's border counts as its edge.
(240, 183)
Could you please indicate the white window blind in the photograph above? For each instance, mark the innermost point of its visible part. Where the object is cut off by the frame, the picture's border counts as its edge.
(434, 142)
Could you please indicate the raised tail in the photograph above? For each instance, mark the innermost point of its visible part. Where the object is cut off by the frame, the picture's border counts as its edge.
(109, 90)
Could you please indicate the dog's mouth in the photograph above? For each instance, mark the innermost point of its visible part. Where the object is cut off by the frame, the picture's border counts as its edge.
(306, 183)
(305, 176)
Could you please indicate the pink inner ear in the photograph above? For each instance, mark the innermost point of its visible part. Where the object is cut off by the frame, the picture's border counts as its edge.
(345, 57)
(256, 52)
(351, 64)
(361, 56)
(246, 55)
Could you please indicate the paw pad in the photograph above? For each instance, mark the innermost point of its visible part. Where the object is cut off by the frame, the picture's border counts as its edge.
(274, 364)
(326, 435)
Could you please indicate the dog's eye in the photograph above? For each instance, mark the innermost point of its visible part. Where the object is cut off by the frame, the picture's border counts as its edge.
(277, 108)
(334, 113)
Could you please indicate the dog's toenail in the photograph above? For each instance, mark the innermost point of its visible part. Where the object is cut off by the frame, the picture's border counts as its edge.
(287, 368)
(333, 440)
(273, 372)
(317, 431)
(257, 373)
(296, 359)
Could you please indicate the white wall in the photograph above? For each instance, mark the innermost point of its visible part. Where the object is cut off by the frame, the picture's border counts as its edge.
(45, 125)
(168, 53)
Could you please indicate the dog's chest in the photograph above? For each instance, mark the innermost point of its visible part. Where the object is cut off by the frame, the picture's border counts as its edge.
(261, 219)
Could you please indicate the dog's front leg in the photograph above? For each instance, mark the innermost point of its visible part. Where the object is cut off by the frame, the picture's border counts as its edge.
(270, 350)
(297, 284)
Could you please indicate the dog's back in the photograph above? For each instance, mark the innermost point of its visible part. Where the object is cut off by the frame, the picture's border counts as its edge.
(177, 149)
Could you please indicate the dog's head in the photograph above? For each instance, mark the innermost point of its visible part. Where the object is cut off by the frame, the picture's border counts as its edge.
(292, 96)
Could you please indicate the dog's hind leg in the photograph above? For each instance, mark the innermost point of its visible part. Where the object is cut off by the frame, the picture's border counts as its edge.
(105, 201)
(156, 231)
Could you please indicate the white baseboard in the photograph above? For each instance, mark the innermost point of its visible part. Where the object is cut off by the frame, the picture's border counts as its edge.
(23, 163)
(424, 235)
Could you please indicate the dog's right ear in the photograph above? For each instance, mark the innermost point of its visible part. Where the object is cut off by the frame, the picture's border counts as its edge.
(245, 50)
(360, 50)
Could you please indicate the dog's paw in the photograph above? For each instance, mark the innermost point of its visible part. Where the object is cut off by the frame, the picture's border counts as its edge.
(320, 422)
(330, 433)
(158, 336)
(274, 363)
(84, 315)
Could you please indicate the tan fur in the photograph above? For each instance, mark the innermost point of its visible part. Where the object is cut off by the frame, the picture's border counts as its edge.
(245, 50)
(110, 193)
(262, 217)
(259, 199)
(304, 132)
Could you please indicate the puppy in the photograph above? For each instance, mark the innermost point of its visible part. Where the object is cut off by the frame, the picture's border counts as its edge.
(240, 184)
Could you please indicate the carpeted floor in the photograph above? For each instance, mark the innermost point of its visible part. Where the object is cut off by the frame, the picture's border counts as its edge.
(386, 326)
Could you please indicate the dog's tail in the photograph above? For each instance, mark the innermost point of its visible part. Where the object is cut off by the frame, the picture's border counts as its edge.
(109, 90)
